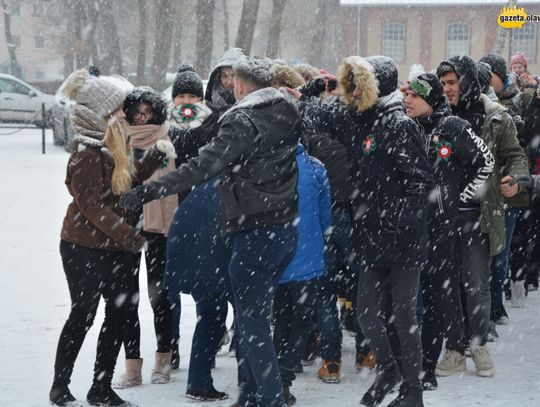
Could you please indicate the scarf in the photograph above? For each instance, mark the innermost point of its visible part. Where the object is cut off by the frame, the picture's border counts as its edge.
(87, 123)
(189, 116)
(157, 215)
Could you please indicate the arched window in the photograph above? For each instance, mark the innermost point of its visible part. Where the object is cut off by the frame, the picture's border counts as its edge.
(458, 39)
(524, 40)
(393, 41)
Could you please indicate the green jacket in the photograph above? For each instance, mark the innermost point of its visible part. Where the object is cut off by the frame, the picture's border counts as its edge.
(499, 133)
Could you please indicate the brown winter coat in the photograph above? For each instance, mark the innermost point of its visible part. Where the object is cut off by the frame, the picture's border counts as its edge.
(94, 219)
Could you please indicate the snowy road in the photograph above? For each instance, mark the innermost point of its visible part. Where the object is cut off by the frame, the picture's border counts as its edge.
(34, 303)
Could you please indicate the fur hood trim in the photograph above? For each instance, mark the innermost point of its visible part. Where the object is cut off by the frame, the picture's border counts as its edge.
(490, 106)
(364, 77)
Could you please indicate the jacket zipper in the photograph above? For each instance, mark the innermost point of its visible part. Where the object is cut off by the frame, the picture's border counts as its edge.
(439, 199)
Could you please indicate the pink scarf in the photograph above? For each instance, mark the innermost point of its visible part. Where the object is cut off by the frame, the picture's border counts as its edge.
(157, 215)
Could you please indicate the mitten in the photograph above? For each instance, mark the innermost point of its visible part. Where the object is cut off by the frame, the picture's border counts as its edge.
(167, 148)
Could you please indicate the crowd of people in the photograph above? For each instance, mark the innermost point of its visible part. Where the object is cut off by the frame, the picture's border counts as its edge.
(284, 190)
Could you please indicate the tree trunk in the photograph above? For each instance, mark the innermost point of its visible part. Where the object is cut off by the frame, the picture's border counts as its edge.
(113, 57)
(162, 51)
(225, 26)
(246, 28)
(141, 57)
(317, 43)
(90, 36)
(205, 34)
(14, 67)
(272, 49)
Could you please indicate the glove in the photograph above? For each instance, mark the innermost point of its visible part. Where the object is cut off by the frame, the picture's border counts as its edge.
(526, 181)
(132, 200)
(167, 148)
(313, 88)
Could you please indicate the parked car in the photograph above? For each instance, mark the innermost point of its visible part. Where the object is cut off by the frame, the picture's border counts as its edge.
(61, 112)
(21, 102)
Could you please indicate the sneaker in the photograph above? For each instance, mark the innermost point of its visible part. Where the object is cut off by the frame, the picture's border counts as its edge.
(289, 398)
(330, 371)
(492, 335)
(518, 294)
(365, 361)
(61, 396)
(429, 381)
(410, 395)
(503, 320)
(388, 377)
(483, 362)
(104, 396)
(206, 395)
(452, 362)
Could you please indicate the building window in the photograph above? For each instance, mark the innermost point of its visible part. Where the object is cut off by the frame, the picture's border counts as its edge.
(16, 40)
(15, 9)
(40, 73)
(393, 41)
(458, 39)
(39, 10)
(39, 41)
(524, 40)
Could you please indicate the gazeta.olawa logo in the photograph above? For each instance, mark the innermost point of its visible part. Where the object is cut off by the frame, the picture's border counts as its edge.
(514, 17)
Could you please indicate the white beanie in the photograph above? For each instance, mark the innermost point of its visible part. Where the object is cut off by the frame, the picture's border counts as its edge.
(96, 94)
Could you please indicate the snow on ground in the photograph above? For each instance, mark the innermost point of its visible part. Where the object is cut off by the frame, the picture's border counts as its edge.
(34, 300)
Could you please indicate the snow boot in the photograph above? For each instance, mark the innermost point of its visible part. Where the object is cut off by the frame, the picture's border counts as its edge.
(162, 370)
(410, 395)
(365, 361)
(330, 371)
(429, 381)
(175, 357)
(61, 396)
(289, 398)
(452, 362)
(388, 377)
(483, 362)
(104, 396)
(206, 395)
(132, 376)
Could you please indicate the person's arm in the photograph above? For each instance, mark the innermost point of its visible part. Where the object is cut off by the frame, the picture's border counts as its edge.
(236, 136)
(474, 155)
(325, 199)
(327, 117)
(152, 160)
(187, 142)
(87, 188)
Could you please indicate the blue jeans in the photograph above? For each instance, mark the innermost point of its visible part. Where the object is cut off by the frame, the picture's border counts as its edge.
(499, 267)
(259, 258)
(210, 327)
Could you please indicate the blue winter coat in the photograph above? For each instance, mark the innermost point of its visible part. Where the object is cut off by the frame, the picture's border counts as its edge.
(315, 216)
(197, 255)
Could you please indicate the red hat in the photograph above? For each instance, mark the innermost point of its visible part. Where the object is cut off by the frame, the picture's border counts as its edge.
(519, 58)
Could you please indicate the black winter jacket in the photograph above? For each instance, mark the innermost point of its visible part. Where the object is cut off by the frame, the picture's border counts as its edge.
(254, 154)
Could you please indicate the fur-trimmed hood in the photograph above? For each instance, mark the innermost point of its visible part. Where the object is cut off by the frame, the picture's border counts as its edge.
(146, 95)
(287, 75)
(361, 72)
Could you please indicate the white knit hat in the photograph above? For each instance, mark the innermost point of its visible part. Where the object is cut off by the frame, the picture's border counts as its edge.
(96, 94)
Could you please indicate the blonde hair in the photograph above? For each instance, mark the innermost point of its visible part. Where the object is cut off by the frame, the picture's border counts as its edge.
(122, 153)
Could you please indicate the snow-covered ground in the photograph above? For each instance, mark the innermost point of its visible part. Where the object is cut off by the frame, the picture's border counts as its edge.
(34, 303)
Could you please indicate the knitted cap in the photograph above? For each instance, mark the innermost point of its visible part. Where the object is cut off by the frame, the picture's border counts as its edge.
(96, 94)
(187, 81)
(518, 58)
(428, 87)
(497, 64)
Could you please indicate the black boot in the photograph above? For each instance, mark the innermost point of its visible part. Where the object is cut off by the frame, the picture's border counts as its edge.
(175, 357)
(61, 396)
(104, 395)
(429, 381)
(289, 398)
(410, 395)
(388, 377)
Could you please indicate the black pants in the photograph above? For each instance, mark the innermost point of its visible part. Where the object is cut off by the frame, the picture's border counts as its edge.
(155, 258)
(403, 283)
(90, 274)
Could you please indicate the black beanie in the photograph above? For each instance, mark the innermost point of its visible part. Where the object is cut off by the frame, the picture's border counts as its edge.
(497, 64)
(429, 88)
(187, 81)
(484, 76)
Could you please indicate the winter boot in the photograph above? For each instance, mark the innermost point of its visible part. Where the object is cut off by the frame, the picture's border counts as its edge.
(483, 362)
(492, 334)
(330, 371)
(175, 357)
(365, 361)
(518, 294)
(104, 396)
(429, 381)
(452, 362)
(61, 396)
(162, 370)
(410, 395)
(132, 376)
(289, 398)
(206, 395)
(388, 377)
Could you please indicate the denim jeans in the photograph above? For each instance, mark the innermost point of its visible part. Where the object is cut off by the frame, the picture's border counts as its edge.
(259, 258)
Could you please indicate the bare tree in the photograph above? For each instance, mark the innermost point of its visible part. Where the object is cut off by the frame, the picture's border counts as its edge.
(246, 27)
(317, 43)
(205, 34)
(141, 56)
(225, 26)
(162, 51)
(14, 67)
(275, 28)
